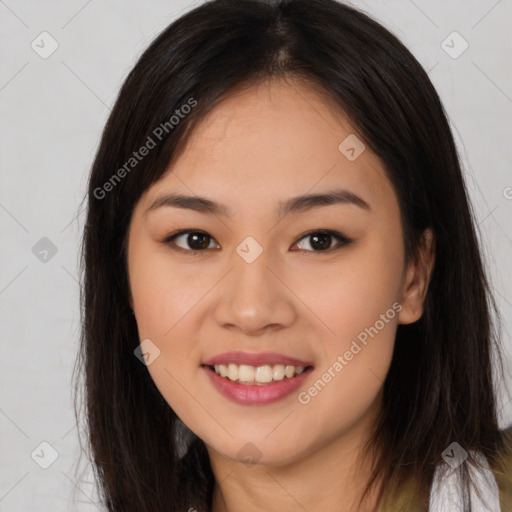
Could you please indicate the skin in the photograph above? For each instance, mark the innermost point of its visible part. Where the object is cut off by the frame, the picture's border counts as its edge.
(261, 145)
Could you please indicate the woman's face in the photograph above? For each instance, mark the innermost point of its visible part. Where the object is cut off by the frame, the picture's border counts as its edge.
(256, 287)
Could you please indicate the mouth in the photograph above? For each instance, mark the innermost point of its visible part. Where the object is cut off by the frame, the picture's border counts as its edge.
(252, 379)
(263, 375)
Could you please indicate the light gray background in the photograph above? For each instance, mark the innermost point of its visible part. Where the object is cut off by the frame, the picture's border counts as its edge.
(52, 114)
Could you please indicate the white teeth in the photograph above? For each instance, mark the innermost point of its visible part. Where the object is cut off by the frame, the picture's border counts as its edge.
(278, 372)
(263, 374)
(232, 371)
(246, 374)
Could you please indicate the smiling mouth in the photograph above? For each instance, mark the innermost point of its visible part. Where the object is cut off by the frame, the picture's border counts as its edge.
(257, 375)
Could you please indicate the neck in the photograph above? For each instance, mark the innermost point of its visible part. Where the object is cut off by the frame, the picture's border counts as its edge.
(329, 479)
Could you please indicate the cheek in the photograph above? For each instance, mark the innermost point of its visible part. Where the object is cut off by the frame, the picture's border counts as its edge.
(356, 299)
(164, 300)
(350, 294)
(163, 294)
(168, 304)
(361, 310)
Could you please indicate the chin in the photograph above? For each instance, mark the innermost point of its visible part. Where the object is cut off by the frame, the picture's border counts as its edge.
(260, 452)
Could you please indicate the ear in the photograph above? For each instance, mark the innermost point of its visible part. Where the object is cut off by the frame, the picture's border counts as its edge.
(416, 279)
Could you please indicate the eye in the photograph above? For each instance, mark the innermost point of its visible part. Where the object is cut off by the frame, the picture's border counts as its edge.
(320, 241)
(197, 241)
(191, 241)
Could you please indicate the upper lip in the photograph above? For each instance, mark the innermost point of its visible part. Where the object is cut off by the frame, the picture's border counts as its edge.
(255, 359)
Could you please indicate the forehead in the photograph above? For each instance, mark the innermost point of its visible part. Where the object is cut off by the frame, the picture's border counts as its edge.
(275, 139)
(284, 120)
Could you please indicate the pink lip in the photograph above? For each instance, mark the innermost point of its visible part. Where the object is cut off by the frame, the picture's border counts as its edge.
(255, 359)
(252, 395)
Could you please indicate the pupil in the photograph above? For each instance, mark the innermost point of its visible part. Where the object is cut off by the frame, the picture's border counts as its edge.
(198, 240)
(325, 241)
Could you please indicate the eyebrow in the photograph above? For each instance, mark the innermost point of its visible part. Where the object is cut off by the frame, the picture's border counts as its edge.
(292, 205)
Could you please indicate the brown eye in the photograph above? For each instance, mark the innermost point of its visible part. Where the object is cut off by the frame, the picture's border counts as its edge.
(191, 240)
(321, 241)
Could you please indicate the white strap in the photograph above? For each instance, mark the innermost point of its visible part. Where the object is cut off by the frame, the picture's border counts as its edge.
(446, 493)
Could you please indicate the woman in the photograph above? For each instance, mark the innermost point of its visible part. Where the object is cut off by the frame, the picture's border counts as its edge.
(284, 302)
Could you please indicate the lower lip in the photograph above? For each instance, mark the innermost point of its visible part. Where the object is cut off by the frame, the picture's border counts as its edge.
(252, 395)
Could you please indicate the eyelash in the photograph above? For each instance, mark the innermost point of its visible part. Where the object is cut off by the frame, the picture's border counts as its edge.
(343, 240)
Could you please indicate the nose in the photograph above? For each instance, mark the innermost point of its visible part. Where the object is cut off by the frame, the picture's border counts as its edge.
(253, 298)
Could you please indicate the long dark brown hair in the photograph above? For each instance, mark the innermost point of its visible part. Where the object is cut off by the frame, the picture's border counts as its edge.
(439, 388)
